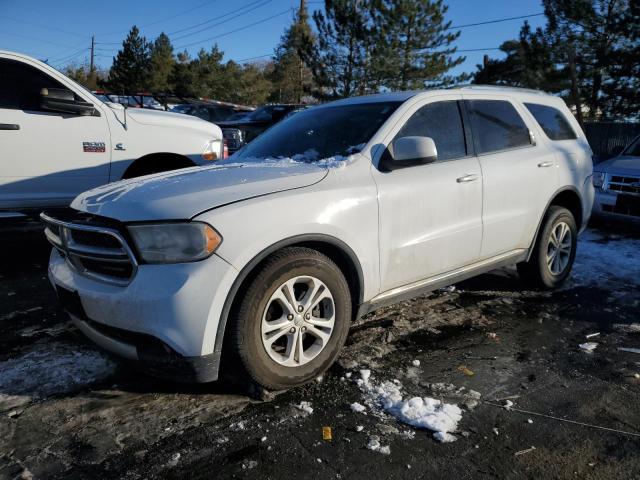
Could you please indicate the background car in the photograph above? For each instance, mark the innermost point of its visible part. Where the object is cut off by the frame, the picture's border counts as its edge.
(238, 133)
(617, 183)
(213, 112)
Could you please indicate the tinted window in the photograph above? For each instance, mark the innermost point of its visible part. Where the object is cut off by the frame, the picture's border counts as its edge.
(442, 122)
(320, 133)
(633, 149)
(552, 121)
(496, 125)
(20, 85)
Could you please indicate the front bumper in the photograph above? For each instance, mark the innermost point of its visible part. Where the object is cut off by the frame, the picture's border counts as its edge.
(607, 206)
(166, 318)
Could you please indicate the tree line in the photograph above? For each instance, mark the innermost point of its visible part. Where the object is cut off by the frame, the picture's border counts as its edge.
(588, 53)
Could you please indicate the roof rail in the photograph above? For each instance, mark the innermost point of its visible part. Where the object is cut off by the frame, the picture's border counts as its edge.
(499, 87)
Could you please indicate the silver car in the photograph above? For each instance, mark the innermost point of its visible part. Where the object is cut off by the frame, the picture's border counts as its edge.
(617, 183)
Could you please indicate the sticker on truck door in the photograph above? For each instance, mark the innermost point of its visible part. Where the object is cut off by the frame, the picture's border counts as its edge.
(93, 147)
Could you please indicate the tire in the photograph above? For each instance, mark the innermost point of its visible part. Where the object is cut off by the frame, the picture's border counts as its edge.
(544, 269)
(268, 324)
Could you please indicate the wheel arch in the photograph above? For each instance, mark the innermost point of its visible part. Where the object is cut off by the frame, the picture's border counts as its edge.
(332, 247)
(567, 197)
(169, 161)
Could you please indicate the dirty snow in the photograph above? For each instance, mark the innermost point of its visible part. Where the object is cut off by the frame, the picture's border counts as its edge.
(50, 369)
(357, 407)
(420, 412)
(375, 445)
(601, 258)
(589, 346)
(305, 406)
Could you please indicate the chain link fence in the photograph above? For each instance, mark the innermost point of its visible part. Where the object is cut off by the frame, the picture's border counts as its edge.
(607, 139)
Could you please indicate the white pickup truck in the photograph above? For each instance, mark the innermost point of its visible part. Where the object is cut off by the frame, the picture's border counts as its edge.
(57, 139)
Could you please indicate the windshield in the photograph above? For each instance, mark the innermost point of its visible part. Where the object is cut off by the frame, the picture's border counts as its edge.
(320, 133)
(633, 150)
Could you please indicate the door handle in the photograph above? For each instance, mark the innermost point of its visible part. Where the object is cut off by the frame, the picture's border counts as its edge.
(545, 164)
(467, 178)
(9, 126)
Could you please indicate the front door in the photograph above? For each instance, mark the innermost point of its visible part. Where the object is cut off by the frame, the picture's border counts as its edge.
(430, 216)
(46, 158)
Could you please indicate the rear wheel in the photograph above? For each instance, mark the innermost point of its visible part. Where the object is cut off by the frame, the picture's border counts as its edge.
(554, 252)
(293, 320)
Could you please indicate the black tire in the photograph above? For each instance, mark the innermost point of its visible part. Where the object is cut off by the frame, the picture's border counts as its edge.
(245, 336)
(536, 272)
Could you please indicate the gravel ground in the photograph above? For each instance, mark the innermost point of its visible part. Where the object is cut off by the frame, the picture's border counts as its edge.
(69, 411)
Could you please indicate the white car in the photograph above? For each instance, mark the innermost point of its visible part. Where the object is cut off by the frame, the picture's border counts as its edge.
(261, 262)
(57, 139)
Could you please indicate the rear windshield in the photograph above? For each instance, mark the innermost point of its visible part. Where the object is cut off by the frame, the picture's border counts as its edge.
(552, 121)
(320, 133)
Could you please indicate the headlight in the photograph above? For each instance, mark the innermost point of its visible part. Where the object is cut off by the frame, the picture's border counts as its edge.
(213, 150)
(598, 179)
(175, 242)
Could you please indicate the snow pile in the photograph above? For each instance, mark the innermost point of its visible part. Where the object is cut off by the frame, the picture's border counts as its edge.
(603, 258)
(420, 412)
(305, 406)
(50, 369)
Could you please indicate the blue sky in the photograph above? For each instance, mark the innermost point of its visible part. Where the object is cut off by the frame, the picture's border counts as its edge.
(63, 34)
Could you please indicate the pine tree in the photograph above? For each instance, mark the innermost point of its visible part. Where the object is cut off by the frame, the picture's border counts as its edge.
(339, 57)
(130, 71)
(291, 77)
(162, 62)
(413, 44)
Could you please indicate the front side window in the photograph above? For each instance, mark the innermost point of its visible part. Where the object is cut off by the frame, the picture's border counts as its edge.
(20, 85)
(442, 122)
(496, 126)
(552, 121)
(320, 133)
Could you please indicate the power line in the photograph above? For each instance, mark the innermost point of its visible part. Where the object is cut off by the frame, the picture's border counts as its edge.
(495, 21)
(235, 30)
(217, 18)
(44, 26)
(163, 19)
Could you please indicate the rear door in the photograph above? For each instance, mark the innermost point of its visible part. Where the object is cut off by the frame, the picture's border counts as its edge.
(519, 172)
(47, 158)
(430, 216)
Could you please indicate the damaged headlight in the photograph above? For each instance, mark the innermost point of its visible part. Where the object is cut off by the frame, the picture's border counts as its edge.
(175, 242)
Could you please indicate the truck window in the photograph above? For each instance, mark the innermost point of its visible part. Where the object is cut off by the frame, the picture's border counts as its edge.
(552, 121)
(496, 126)
(20, 85)
(442, 122)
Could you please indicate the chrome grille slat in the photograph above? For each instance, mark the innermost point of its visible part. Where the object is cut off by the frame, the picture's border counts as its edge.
(629, 185)
(114, 265)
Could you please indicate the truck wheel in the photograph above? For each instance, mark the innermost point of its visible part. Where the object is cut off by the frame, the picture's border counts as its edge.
(554, 252)
(293, 320)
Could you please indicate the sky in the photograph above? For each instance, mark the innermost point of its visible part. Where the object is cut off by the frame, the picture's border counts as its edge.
(243, 29)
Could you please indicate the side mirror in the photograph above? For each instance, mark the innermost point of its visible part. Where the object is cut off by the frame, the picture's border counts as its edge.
(62, 100)
(410, 151)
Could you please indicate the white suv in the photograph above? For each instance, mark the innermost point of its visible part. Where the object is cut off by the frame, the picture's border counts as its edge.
(57, 139)
(261, 262)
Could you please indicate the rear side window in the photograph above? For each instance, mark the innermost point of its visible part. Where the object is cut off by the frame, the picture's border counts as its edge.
(20, 85)
(496, 126)
(552, 121)
(442, 122)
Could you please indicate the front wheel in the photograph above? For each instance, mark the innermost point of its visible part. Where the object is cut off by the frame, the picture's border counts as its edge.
(293, 320)
(554, 252)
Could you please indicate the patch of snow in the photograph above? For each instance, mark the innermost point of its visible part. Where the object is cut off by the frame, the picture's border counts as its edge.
(305, 407)
(421, 412)
(310, 157)
(174, 460)
(589, 346)
(444, 437)
(249, 464)
(359, 428)
(416, 363)
(50, 369)
(357, 407)
(601, 258)
(374, 445)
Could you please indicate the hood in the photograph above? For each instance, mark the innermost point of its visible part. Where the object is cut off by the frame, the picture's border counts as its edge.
(623, 165)
(183, 194)
(148, 116)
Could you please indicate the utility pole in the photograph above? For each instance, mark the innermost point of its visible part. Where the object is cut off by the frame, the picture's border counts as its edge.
(93, 42)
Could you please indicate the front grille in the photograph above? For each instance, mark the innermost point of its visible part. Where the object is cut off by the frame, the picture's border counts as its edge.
(624, 184)
(93, 250)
